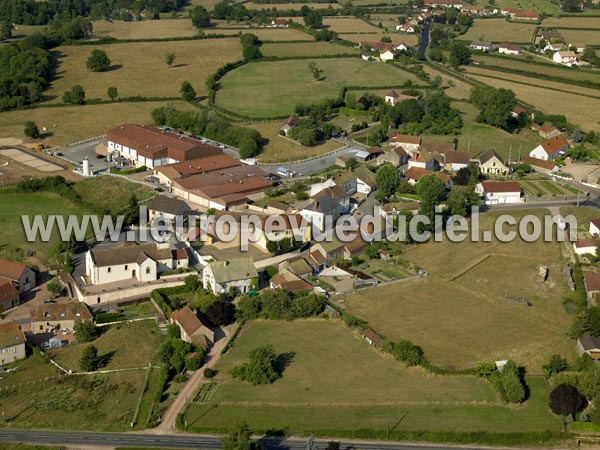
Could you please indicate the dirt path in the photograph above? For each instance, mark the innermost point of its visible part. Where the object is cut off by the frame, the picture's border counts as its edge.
(189, 390)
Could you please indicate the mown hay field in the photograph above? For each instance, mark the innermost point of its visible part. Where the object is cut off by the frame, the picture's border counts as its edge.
(500, 30)
(287, 50)
(146, 29)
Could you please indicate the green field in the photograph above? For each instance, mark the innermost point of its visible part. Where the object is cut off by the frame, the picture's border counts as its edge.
(110, 193)
(287, 50)
(571, 22)
(336, 382)
(349, 25)
(290, 6)
(259, 89)
(140, 68)
(103, 402)
(465, 312)
(13, 241)
(588, 37)
(500, 30)
(145, 29)
(124, 346)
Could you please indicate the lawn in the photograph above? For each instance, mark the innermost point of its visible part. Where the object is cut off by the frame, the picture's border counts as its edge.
(104, 402)
(74, 123)
(132, 345)
(335, 381)
(110, 193)
(500, 30)
(582, 214)
(140, 68)
(259, 90)
(287, 50)
(145, 29)
(578, 109)
(281, 149)
(467, 301)
(13, 241)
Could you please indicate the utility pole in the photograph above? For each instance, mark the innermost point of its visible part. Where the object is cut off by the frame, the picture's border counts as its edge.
(509, 154)
(579, 191)
(519, 152)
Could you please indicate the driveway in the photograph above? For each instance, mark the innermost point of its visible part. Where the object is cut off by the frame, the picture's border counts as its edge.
(76, 153)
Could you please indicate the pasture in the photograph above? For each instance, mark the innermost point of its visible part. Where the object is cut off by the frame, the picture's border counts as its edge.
(290, 6)
(454, 87)
(471, 300)
(409, 39)
(145, 29)
(140, 68)
(500, 30)
(588, 37)
(336, 381)
(73, 123)
(272, 89)
(267, 34)
(349, 25)
(571, 22)
(287, 50)
(578, 109)
(282, 149)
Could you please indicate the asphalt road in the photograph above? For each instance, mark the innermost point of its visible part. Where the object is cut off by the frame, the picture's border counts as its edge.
(185, 441)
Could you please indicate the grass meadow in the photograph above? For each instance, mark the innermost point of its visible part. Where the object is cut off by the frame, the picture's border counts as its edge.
(286, 50)
(290, 6)
(260, 89)
(140, 68)
(145, 29)
(408, 39)
(73, 123)
(349, 25)
(500, 30)
(571, 22)
(336, 381)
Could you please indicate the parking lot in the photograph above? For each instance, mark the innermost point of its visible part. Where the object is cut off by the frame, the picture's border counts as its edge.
(77, 153)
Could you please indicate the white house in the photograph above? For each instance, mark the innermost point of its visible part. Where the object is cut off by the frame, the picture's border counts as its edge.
(554, 46)
(408, 142)
(568, 58)
(482, 46)
(584, 246)
(229, 276)
(499, 192)
(595, 227)
(550, 149)
(509, 49)
(387, 55)
(12, 343)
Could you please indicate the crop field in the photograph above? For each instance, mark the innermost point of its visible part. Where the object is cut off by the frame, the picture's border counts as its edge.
(259, 89)
(74, 123)
(145, 29)
(500, 3)
(125, 346)
(571, 22)
(321, 389)
(140, 68)
(283, 149)
(500, 30)
(290, 6)
(537, 70)
(379, 2)
(578, 109)
(545, 6)
(471, 300)
(349, 25)
(284, 50)
(103, 402)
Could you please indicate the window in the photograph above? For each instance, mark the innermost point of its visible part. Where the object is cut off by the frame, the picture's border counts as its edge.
(147, 270)
(108, 270)
(126, 266)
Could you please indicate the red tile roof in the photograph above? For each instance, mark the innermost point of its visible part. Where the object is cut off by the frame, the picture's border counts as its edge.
(501, 186)
(555, 144)
(591, 281)
(416, 173)
(11, 270)
(7, 290)
(405, 138)
(548, 165)
(589, 242)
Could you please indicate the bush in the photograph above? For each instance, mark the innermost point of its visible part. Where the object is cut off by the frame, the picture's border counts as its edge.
(220, 313)
(209, 373)
(85, 331)
(566, 399)
(261, 367)
(31, 130)
(76, 96)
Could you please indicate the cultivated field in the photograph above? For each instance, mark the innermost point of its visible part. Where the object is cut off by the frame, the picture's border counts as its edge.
(132, 345)
(74, 123)
(468, 311)
(349, 25)
(290, 6)
(146, 29)
(335, 381)
(578, 109)
(283, 149)
(284, 50)
(140, 68)
(571, 22)
(259, 89)
(499, 30)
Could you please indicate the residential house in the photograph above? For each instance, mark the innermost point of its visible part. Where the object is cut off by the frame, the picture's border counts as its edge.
(387, 51)
(134, 262)
(355, 246)
(550, 149)
(298, 266)
(591, 281)
(579, 48)
(490, 163)
(554, 47)
(520, 14)
(546, 131)
(568, 58)
(290, 123)
(19, 275)
(235, 275)
(482, 46)
(360, 180)
(517, 112)
(153, 147)
(539, 165)
(396, 156)
(548, 35)
(509, 49)
(12, 343)
(585, 246)
(371, 337)
(499, 192)
(414, 174)
(9, 296)
(595, 227)
(167, 208)
(279, 23)
(59, 316)
(290, 282)
(458, 4)
(194, 327)
(473, 10)
(330, 251)
(276, 228)
(409, 143)
(326, 207)
(392, 97)
(589, 345)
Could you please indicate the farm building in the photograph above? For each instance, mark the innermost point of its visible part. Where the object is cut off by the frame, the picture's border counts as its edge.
(591, 280)
(499, 192)
(509, 49)
(585, 246)
(9, 296)
(595, 227)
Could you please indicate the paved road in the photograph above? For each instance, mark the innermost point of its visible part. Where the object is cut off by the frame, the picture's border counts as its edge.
(84, 438)
(424, 41)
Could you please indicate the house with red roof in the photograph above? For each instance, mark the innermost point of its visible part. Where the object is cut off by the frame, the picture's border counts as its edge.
(550, 149)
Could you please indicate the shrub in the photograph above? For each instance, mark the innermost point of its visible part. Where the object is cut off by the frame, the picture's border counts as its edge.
(209, 373)
(31, 130)
(220, 313)
(260, 368)
(566, 399)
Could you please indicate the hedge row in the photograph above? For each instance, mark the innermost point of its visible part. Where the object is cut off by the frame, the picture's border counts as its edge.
(110, 40)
